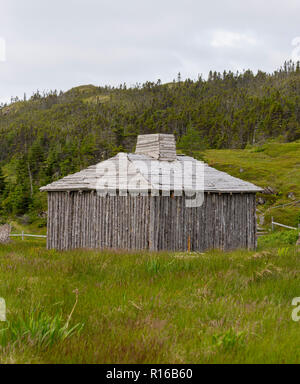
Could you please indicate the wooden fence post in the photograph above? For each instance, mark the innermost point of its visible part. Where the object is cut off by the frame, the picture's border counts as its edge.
(22, 235)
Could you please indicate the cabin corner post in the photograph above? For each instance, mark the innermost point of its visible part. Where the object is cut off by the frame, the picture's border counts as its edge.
(48, 221)
(255, 222)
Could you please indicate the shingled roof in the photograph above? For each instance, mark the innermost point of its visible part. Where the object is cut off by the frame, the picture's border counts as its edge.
(149, 170)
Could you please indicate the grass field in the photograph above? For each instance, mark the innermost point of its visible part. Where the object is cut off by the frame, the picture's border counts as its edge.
(117, 307)
(275, 165)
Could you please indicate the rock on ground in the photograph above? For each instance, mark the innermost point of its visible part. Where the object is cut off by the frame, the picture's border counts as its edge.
(4, 233)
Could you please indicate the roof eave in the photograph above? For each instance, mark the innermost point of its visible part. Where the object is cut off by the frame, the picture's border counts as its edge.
(258, 190)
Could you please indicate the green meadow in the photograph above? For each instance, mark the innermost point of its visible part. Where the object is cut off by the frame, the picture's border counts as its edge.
(275, 165)
(118, 307)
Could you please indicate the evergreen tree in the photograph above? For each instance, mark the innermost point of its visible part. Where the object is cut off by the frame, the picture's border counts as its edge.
(2, 183)
(55, 134)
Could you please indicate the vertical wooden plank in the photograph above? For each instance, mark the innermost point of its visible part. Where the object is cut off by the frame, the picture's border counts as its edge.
(49, 221)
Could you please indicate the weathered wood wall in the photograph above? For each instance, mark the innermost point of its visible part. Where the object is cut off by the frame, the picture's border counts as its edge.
(86, 220)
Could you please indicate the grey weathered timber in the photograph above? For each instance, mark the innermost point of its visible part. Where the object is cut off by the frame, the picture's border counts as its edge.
(86, 220)
(159, 146)
(83, 212)
(152, 175)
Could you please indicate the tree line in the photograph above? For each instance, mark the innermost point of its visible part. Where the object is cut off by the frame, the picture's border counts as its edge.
(50, 135)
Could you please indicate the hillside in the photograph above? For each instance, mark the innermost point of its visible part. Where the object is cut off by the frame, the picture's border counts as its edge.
(233, 120)
(273, 166)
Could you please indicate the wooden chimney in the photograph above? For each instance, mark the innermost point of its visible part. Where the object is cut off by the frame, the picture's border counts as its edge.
(159, 146)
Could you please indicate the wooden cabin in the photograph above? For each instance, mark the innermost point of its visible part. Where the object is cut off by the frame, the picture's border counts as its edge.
(145, 201)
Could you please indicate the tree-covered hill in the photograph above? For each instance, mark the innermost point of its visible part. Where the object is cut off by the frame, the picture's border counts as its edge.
(54, 134)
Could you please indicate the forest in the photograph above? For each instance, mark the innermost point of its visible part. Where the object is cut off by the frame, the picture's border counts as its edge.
(52, 134)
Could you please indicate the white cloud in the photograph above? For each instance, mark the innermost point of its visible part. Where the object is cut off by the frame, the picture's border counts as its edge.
(231, 39)
(61, 44)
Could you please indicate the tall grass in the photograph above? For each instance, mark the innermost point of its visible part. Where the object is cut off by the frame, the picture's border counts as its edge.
(37, 329)
(142, 307)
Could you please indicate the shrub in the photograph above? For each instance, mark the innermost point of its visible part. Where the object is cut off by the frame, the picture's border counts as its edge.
(229, 340)
(279, 238)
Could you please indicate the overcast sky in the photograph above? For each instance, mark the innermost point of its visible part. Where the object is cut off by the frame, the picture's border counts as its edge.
(59, 44)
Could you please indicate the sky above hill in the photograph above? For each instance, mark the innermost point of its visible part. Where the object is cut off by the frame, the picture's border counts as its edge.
(61, 44)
